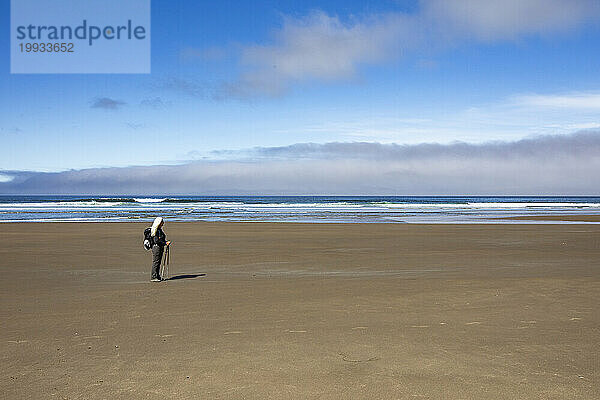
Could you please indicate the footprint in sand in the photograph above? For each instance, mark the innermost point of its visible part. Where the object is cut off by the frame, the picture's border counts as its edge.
(347, 358)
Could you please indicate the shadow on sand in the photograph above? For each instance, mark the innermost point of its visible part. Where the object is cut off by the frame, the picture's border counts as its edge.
(184, 276)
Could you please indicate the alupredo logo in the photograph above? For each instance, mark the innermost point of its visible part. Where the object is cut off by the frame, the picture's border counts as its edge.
(74, 36)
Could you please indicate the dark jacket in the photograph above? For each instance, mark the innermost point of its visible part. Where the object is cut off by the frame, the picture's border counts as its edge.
(160, 238)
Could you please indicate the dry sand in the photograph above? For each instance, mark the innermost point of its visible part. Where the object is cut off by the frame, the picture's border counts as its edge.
(301, 311)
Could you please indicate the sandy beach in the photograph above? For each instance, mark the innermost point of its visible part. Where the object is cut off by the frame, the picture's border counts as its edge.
(301, 311)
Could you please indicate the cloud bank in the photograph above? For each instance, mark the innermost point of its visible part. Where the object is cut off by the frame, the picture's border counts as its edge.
(546, 165)
(324, 47)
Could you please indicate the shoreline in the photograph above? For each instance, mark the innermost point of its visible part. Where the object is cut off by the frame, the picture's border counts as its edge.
(508, 220)
(311, 209)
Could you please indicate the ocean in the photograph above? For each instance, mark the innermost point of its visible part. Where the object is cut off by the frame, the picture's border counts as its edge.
(313, 209)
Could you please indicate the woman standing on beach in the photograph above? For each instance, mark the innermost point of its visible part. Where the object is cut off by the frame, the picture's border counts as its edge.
(159, 240)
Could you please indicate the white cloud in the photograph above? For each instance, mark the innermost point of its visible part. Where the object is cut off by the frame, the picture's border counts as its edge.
(320, 47)
(509, 118)
(508, 19)
(326, 48)
(583, 101)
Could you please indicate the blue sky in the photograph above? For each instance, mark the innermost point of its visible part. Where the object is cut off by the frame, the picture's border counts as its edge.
(234, 75)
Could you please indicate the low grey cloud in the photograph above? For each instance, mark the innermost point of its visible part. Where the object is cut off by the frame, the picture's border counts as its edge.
(210, 54)
(186, 86)
(545, 165)
(13, 130)
(323, 47)
(107, 103)
(582, 143)
(135, 125)
(154, 102)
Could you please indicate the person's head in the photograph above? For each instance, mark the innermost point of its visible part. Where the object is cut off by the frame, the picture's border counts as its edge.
(158, 222)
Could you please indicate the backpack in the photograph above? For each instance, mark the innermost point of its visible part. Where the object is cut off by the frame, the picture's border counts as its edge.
(148, 239)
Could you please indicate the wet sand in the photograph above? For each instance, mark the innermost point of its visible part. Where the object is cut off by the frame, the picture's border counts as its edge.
(570, 218)
(301, 311)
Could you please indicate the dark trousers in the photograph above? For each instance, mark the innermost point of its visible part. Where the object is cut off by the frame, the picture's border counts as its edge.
(157, 253)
